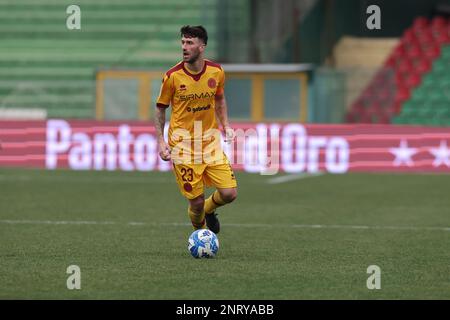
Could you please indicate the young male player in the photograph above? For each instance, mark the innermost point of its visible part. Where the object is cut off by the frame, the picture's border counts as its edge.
(195, 90)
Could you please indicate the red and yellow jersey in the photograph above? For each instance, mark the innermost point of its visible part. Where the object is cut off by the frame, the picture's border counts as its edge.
(192, 96)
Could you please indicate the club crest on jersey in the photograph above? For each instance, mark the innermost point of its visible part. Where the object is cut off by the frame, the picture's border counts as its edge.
(212, 83)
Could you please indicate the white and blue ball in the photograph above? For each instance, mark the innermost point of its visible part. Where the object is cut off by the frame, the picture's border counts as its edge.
(203, 243)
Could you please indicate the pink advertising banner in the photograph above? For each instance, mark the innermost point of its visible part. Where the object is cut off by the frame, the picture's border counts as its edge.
(259, 147)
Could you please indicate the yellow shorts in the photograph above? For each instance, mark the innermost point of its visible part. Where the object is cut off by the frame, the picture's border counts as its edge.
(192, 178)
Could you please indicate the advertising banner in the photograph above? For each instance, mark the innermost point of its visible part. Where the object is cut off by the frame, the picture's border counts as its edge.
(266, 148)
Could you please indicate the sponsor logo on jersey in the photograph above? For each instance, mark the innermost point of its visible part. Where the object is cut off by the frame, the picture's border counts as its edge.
(195, 96)
(195, 109)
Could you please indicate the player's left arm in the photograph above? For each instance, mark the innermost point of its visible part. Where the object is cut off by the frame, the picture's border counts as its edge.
(222, 109)
(222, 114)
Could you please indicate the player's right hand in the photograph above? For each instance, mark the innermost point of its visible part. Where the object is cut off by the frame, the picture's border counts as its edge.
(164, 150)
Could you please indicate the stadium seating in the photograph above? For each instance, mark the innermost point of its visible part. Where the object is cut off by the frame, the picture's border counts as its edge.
(412, 85)
(44, 65)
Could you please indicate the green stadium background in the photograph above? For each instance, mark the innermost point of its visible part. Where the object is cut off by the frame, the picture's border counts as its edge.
(48, 71)
(363, 119)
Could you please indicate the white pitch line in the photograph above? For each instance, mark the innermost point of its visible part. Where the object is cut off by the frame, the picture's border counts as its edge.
(238, 225)
(81, 179)
(292, 177)
(54, 222)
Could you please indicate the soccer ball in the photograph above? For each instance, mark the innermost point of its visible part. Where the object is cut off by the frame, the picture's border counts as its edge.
(203, 243)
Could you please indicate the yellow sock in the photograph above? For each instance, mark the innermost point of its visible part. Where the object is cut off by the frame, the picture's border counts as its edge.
(197, 219)
(213, 202)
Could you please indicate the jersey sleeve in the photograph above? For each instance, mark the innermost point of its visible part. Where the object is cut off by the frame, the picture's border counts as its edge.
(166, 92)
(221, 84)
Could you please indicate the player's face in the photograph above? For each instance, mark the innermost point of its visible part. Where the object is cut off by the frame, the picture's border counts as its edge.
(192, 48)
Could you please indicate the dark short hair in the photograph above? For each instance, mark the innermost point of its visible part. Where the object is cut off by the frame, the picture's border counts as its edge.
(195, 32)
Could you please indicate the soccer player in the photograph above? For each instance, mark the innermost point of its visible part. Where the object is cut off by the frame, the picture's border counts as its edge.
(195, 89)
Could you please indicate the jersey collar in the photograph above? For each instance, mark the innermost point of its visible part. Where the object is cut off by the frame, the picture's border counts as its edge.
(196, 76)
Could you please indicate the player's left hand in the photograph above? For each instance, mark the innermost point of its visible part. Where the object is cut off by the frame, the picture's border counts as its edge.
(229, 134)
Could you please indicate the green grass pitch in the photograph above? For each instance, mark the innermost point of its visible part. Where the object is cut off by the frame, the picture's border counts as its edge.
(308, 238)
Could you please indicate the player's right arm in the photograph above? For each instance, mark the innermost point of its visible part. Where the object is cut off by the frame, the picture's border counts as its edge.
(163, 102)
(160, 121)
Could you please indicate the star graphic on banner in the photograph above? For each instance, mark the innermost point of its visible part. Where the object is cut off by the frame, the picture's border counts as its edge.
(441, 154)
(403, 154)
